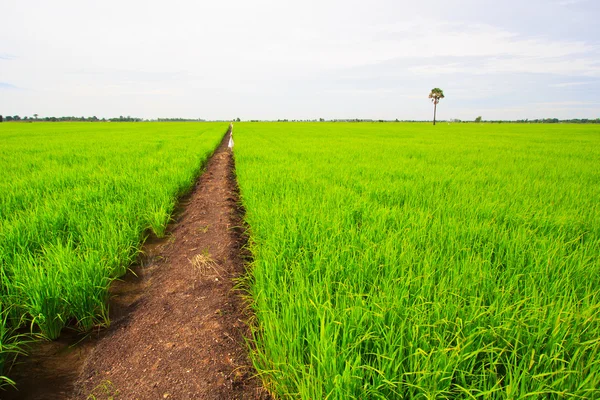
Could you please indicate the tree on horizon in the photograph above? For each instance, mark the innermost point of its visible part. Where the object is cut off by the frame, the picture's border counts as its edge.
(436, 95)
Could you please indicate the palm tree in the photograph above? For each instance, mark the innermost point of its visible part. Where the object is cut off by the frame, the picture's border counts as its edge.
(436, 95)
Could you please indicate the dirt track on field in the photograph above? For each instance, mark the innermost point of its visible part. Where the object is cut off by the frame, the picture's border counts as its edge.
(177, 327)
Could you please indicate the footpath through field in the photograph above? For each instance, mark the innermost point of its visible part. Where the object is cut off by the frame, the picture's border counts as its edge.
(178, 332)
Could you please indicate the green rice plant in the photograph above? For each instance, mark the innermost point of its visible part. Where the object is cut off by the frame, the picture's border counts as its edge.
(411, 261)
(11, 343)
(76, 202)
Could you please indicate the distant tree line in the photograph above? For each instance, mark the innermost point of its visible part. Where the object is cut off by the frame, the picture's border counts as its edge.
(539, 121)
(556, 121)
(121, 118)
(69, 119)
(478, 119)
(11, 118)
(180, 120)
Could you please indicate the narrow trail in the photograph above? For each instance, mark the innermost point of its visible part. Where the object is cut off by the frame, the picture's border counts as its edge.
(177, 327)
(184, 339)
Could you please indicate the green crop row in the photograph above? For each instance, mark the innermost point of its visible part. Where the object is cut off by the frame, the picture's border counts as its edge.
(76, 201)
(419, 262)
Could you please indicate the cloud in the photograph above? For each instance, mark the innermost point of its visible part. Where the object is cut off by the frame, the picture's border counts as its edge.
(568, 104)
(5, 85)
(131, 75)
(572, 84)
(360, 91)
(487, 49)
(571, 2)
(514, 64)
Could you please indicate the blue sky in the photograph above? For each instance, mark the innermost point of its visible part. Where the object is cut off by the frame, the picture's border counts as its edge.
(301, 60)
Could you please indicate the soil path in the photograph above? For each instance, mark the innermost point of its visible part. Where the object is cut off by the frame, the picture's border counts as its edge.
(177, 326)
(184, 339)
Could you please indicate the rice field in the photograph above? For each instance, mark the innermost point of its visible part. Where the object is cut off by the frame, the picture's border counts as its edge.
(390, 260)
(410, 261)
(76, 202)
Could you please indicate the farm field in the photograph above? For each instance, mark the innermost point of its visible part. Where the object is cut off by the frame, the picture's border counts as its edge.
(76, 201)
(412, 261)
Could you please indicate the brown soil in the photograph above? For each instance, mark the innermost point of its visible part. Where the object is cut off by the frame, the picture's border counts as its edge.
(177, 325)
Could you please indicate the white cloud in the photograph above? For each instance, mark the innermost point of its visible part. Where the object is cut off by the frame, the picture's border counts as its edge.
(571, 2)
(571, 84)
(6, 85)
(568, 104)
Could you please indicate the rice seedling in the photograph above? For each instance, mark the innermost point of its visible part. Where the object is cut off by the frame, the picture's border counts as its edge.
(411, 261)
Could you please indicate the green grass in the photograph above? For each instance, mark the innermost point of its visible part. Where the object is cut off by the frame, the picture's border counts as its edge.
(419, 262)
(76, 201)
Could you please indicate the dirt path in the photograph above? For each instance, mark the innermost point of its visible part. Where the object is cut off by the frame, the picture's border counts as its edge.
(183, 340)
(177, 327)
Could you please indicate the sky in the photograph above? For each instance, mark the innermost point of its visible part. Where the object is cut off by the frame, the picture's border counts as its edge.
(264, 59)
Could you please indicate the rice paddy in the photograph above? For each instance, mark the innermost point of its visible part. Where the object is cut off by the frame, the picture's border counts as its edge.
(390, 260)
(76, 202)
(419, 262)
